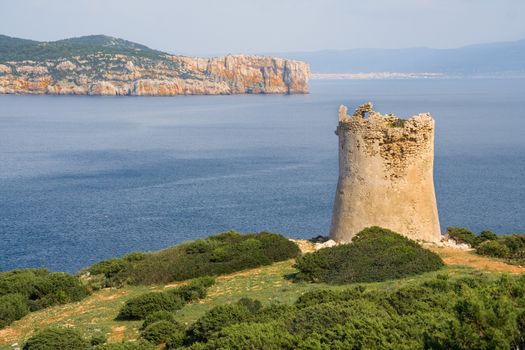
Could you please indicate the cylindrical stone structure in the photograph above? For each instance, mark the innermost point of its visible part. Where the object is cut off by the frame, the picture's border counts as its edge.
(385, 175)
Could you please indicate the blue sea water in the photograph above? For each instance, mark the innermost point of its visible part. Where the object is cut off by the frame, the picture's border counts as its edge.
(87, 178)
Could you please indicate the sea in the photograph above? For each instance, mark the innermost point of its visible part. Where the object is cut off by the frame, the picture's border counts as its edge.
(88, 178)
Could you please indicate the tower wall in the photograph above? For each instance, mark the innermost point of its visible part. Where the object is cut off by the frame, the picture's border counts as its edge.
(385, 175)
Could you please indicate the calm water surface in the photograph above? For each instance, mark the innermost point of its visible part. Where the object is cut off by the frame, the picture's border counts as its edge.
(87, 178)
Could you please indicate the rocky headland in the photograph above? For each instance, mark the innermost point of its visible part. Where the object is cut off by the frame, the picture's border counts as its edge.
(100, 65)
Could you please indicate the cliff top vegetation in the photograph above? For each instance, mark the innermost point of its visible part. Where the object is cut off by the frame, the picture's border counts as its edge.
(15, 49)
(264, 304)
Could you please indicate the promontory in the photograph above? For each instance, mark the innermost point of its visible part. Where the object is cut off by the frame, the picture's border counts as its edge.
(102, 65)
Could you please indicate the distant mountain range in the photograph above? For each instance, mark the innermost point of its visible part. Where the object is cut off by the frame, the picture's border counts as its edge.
(486, 59)
(103, 65)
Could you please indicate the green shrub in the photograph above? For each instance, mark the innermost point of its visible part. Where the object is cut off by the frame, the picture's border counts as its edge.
(134, 256)
(200, 246)
(57, 288)
(321, 296)
(223, 253)
(274, 312)
(196, 289)
(164, 332)
(56, 339)
(39, 288)
(158, 316)
(145, 304)
(461, 235)
(190, 292)
(111, 270)
(42, 287)
(277, 247)
(495, 249)
(515, 243)
(376, 254)
(509, 247)
(441, 312)
(251, 305)
(216, 319)
(520, 320)
(256, 336)
(359, 334)
(205, 281)
(171, 300)
(12, 307)
(485, 236)
(323, 316)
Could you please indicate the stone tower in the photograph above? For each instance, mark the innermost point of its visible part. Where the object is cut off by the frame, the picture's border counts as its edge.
(385, 175)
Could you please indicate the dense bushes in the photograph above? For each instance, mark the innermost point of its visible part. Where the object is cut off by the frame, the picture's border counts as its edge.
(216, 319)
(139, 307)
(164, 332)
(172, 300)
(70, 339)
(56, 339)
(12, 307)
(493, 248)
(485, 235)
(376, 254)
(27, 290)
(461, 235)
(509, 247)
(438, 313)
(255, 336)
(158, 316)
(223, 253)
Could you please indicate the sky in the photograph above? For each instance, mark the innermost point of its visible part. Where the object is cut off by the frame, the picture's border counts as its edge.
(207, 27)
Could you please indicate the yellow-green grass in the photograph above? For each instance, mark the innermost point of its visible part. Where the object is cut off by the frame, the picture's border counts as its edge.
(269, 284)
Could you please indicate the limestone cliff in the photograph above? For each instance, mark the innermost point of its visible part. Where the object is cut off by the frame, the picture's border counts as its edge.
(385, 175)
(108, 66)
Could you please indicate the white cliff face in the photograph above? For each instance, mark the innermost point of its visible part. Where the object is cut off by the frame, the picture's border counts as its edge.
(138, 76)
(385, 176)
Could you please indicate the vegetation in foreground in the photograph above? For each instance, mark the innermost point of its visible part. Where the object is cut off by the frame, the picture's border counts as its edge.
(23, 291)
(219, 254)
(511, 247)
(264, 309)
(146, 304)
(26, 290)
(439, 311)
(376, 254)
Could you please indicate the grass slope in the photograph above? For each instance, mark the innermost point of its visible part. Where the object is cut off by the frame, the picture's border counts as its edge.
(96, 314)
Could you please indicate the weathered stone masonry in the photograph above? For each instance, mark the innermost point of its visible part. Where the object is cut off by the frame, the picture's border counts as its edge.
(385, 175)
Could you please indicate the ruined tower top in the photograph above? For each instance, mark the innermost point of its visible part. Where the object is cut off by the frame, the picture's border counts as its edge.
(385, 175)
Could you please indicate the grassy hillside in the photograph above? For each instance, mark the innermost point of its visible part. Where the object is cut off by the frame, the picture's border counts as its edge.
(270, 284)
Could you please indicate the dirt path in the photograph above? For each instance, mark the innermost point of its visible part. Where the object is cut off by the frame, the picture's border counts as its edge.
(305, 246)
(117, 334)
(453, 256)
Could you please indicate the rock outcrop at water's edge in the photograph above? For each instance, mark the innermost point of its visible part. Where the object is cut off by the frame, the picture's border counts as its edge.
(120, 74)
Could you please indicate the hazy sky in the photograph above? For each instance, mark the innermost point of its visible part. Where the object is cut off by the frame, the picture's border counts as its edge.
(251, 26)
